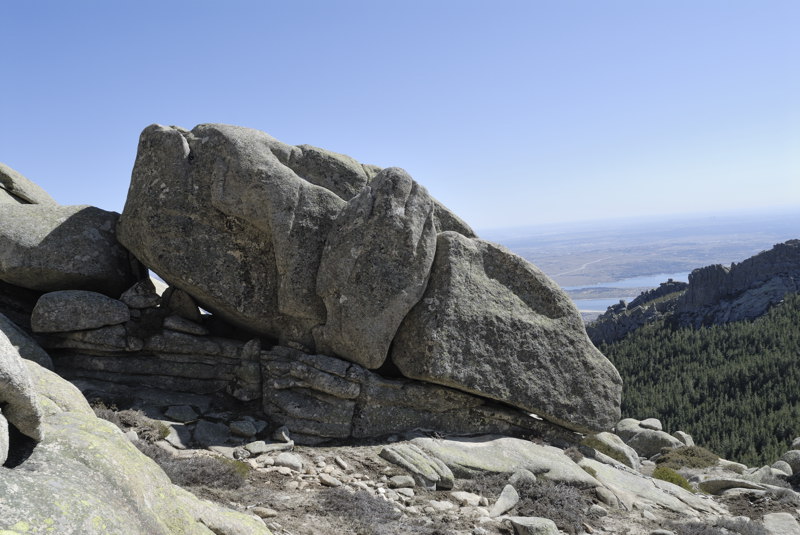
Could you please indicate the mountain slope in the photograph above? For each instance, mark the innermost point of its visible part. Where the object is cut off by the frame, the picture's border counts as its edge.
(733, 386)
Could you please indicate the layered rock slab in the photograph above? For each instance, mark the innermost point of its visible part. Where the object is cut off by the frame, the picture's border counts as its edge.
(375, 267)
(50, 248)
(492, 324)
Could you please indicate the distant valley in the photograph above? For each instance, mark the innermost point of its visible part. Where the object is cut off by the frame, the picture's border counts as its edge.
(602, 262)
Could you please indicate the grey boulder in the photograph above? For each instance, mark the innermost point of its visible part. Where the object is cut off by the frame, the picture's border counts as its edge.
(645, 440)
(374, 267)
(17, 396)
(49, 248)
(16, 189)
(493, 324)
(76, 310)
(24, 344)
(238, 229)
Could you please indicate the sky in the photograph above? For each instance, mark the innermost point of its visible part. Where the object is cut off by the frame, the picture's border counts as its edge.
(510, 112)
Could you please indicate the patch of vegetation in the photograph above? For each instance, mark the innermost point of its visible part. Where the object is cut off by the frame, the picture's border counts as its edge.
(731, 386)
(563, 504)
(671, 476)
(573, 453)
(363, 514)
(146, 428)
(687, 457)
(593, 442)
(198, 470)
(723, 526)
(489, 484)
(589, 470)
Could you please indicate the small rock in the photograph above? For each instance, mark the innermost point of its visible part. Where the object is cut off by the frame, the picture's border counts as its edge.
(265, 460)
(400, 482)
(649, 515)
(177, 323)
(651, 423)
(341, 463)
(241, 454)
(131, 435)
(243, 428)
(141, 295)
(181, 413)
(282, 434)
(466, 498)
(292, 485)
(392, 495)
(265, 512)
(781, 524)
(606, 496)
(662, 532)
(225, 451)
(284, 470)
(686, 438)
(597, 511)
(440, 506)
(783, 466)
(507, 500)
(408, 493)
(209, 434)
(289, 460)
(533, 526)
(792, 458)
(329, 481)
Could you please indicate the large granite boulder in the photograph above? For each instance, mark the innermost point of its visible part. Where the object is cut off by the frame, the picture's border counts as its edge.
(219, 213)
(86, 477)
(492, 324)
(50, 248)
(375, 267)
(16, 189)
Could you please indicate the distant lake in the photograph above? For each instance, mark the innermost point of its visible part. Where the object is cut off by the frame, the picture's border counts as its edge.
(643, 281)
(599, 305)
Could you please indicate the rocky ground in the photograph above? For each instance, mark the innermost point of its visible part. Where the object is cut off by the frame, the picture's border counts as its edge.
(353, 488)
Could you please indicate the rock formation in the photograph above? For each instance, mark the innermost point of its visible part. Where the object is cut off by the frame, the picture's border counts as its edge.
(715, 294)
(247, 226)
(83, 475)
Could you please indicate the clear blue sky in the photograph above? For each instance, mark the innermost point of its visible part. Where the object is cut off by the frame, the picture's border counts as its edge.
(510, 112)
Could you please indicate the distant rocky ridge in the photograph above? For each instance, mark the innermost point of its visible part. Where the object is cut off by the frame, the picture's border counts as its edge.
(715, 294)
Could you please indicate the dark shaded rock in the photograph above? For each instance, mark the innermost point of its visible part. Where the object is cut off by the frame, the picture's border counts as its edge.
(77, 310)
(24, 344)
(492, 324)
(141, 295)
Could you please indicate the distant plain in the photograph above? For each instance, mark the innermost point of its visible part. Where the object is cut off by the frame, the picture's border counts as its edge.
(599, 263)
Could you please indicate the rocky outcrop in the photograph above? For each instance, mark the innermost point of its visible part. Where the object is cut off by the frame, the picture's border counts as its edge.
(16, 189)
(49, 248)
(714, 295)
(718, 294)
(104, 484)
(328, 256)
(485, 310)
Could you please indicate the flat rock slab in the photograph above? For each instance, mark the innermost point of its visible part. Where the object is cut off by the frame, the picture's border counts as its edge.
(469, 457)
(630, 487)
(781, 524)
(427, 471)
(211, 434)
(77, 310)
(51, 248)
(718, 485)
